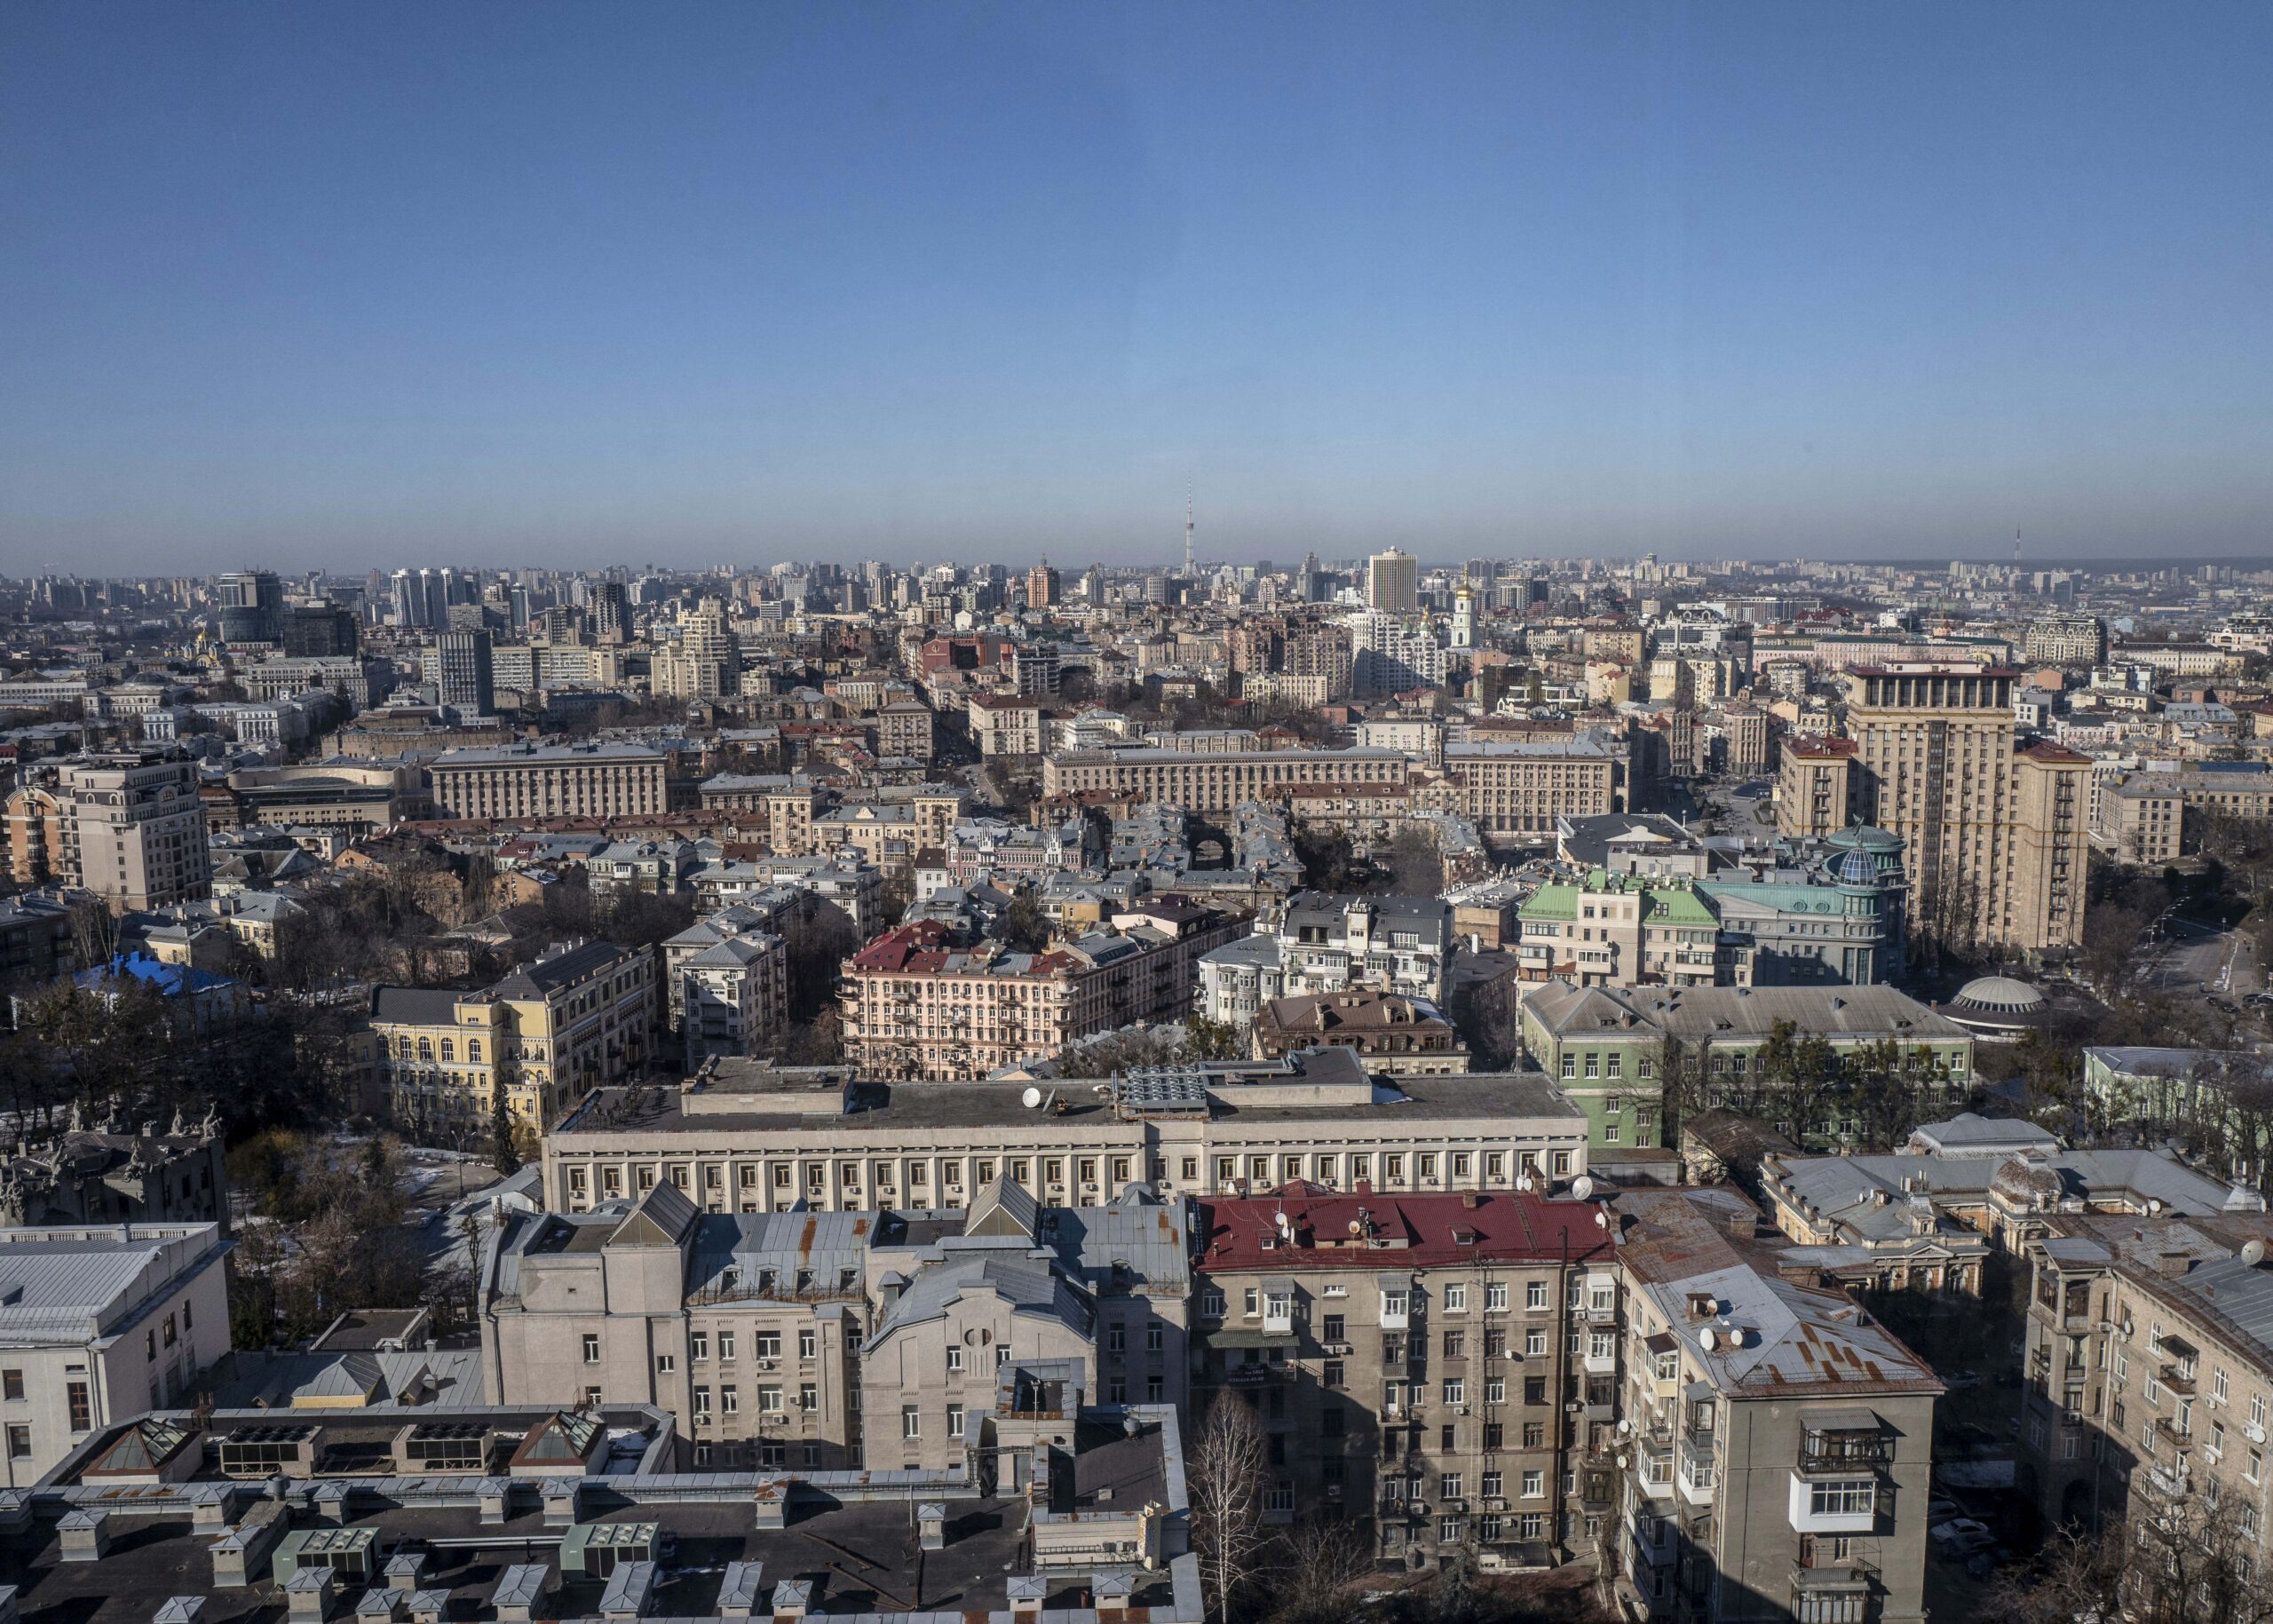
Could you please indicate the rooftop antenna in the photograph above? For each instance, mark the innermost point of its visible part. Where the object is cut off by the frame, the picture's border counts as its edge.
(1187, 534)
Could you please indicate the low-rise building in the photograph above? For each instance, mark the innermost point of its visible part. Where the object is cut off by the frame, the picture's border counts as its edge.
(1006, 724)
(99, 1322)
(1605, 1042)
(753, 1137)
(1391, 1034)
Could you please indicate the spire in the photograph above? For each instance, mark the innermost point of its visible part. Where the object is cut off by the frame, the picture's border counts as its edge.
(1187, 535)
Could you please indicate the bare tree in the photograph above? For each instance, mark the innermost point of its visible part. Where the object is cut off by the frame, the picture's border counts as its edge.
(1225, 1469)
(1322, 1566)
(2186, 1558)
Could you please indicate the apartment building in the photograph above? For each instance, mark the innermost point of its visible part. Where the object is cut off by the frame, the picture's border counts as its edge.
(1006, 725)
(733, 997)
(579, 1018)
(2154, 818)
(1618, 930)
(705, 662)
(1814, 782)
(176, 1174)
(1209, 782)
(101, 1322)
(1777, 1444)
(844, 880)
(549, 781)
(2066, 639)
(904, 728)
(133, 830)
(752, 1137)
(1995, 835)
(2149, 1370)
(1437, 1364)
(922, 1001)
(1515, 790)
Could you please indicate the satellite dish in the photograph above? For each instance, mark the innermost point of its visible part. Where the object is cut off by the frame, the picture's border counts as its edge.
(1523, 1182)
(1031, 1098)
(1625, 1424)
(1584, 1188)
(1706, 1340)
(2154, 1204)
(2253, 1252)
(1602, 1218)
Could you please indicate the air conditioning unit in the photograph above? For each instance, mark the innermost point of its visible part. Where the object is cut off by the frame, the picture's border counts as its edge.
(768, 1364)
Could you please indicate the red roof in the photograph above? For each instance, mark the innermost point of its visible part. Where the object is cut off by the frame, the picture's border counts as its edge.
(1425, 1231)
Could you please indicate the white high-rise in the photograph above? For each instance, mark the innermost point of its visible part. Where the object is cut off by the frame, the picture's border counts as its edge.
(1393, 582)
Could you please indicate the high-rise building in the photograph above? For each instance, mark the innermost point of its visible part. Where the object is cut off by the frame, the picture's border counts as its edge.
(318, 632)
(707, 661)
(134, 830)
(1041, 586)
(467, 683)
(1393, 582)
(1996, 833)
(612, 617)
(252, 605)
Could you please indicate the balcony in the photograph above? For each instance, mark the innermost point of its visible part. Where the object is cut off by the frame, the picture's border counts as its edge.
(1699, 1468)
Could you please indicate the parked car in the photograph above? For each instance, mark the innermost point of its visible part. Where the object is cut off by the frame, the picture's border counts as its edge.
(1960, 1536)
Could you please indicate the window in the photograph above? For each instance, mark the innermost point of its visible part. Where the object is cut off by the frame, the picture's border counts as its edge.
(12, 1383)
(20, 1443)
(769, 1345)
(1535, 1342)
(591, 1349)
(698, 1347)
(1455, 1299)
(1448, 1485)
(1211, 1303)
(1154, 1336)
(955, 1420)
(665, 1364)
(808, 1397)
(82, 1409)
(1534, 1485)
(1844, 1497)
(808, 1345)
(954, 1360)
(911, 1421)
(702, 1401)
(1495, 1297)
(730, 1399)
(1535, 1294)
(1455, 1344)
(726, 1345)
(1455, 1391)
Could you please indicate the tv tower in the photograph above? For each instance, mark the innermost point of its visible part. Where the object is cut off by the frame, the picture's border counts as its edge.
(1187, 536)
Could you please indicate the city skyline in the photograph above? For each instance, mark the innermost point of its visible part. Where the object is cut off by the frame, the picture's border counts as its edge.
(366, 289)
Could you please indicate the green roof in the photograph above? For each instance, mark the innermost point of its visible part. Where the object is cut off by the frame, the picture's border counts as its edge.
(1676, 904)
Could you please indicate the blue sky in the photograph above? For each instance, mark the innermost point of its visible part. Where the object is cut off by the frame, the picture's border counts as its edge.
(502, 284)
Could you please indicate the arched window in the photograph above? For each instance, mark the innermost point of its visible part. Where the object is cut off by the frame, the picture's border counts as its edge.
(474, 1050)
(449, 1051)
(426, 1049)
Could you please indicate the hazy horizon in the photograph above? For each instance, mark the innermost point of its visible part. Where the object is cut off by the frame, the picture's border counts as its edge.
(571, 285)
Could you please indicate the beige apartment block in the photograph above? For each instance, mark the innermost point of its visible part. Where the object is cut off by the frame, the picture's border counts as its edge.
(549, 781)
(1441, 1366)
(134, 831)
(1995, 835)
(1814, 782)
(2149, 1373)
(1006, 725)
(1517, 789)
